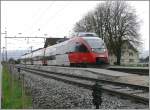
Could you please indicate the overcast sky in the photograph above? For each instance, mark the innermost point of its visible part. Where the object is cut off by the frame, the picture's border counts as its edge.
(54, 18)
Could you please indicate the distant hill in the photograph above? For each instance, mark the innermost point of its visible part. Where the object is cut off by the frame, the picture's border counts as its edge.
(15, 54)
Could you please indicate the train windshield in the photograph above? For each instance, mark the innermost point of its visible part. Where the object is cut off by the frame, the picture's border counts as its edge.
(86, 34)
(97, 45)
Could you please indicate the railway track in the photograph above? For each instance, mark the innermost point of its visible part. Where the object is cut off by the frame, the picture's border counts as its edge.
(133, 92)
(132, 70)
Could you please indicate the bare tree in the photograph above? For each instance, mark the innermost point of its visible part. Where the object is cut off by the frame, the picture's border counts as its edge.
(122, 26)
(115, 22)
(85, 24)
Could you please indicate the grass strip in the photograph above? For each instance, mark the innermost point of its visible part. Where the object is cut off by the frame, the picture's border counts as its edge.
(12, 92)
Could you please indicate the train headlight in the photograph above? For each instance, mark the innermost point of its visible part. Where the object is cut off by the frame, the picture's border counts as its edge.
(93, 50)
(98, 50)
(104, 50)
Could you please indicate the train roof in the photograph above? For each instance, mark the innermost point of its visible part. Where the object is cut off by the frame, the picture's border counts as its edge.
(31, 52)
(53, 41)
(37, 49)
(86, 34)
(92, 38)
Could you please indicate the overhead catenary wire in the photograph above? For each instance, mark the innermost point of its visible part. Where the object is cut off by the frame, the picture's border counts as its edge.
(54, 16)
(18, 41)
(40, 16)
(36, 44)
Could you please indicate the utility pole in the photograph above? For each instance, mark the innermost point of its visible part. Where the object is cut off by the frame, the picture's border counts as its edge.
(5, 43)
(6, 47)
(31, 48)
(45, 38)
(3, 53)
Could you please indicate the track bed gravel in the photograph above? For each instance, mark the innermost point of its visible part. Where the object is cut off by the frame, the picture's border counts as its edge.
(52, 94)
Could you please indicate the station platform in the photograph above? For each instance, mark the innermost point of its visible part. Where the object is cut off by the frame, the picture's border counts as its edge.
(98, 74)
(133, 70)
(123, 77)
(129, 67)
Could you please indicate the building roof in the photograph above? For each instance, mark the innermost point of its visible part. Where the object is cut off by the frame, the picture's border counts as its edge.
(52, 41)
(130, 45)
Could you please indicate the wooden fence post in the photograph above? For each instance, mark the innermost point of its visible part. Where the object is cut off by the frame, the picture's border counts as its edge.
(22, 90)
(97, 95)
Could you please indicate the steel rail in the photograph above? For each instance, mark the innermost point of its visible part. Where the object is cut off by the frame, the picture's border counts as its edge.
(121, 69)
(95, 79)
(88, 86)
(139, 71)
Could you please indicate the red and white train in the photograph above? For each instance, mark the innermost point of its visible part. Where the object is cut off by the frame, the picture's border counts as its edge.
(85, 49)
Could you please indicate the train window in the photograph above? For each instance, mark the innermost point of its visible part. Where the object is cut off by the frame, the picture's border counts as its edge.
(130, 54)
(71, 46)
(96, 43)
(81, 48)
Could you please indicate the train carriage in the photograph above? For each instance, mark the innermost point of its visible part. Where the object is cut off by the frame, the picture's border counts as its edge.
(38, 57)
(57, 54)
(81, 50)
(26, 58)
(22, 59)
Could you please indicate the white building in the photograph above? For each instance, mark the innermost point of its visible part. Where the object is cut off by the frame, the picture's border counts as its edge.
(129, 55)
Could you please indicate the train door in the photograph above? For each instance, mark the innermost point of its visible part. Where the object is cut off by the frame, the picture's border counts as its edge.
(80, 54)
(31, 58)
(83, 53)
(71, 53)
(44, 61)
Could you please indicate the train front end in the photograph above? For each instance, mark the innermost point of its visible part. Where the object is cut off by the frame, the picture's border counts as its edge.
(98, 50)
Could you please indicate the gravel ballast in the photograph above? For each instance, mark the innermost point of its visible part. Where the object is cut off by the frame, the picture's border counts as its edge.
(52, 94)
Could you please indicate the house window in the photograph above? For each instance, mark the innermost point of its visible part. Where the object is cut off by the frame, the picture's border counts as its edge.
(123, 51)
(130, 54)
(122, 60)
(131, 60)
